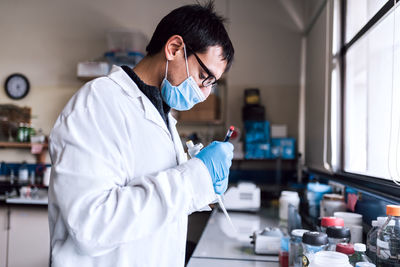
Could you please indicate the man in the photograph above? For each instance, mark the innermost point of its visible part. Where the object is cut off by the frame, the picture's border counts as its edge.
(121, 185)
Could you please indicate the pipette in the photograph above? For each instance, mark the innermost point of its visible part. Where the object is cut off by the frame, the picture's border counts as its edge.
(219, 199)
(190, 146)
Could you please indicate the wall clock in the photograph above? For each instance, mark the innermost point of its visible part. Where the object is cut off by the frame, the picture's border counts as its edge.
(17, 86)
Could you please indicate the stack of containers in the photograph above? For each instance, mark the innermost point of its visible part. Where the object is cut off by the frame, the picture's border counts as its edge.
(336, 235)
(330, 221)
(354, 222)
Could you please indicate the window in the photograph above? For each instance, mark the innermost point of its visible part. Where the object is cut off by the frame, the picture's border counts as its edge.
(371, 88)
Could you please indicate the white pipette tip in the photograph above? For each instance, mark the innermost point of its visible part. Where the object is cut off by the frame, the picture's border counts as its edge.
(222, 206)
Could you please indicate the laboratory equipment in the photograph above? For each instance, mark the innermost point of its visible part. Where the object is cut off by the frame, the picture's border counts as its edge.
(246, 196)
(336, 235)
(330, 221)
(332, 258)
(267, 241)
(388, 241)
(359, 254)
(312, 243)
(286, 198)
(295, 247)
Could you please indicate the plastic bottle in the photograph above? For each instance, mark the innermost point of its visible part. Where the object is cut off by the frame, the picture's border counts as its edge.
(286, 198)
(359, 254)
(388, 241)
(331, 259)
(371, 240)
(23, 173)
(193, 149)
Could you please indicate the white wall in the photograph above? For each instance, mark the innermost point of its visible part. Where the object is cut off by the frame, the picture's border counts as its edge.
(44, 39)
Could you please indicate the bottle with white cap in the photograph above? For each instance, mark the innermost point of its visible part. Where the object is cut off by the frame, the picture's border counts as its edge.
(359, 254)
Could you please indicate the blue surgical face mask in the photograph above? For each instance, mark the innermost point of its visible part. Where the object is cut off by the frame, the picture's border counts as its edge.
(183, 96)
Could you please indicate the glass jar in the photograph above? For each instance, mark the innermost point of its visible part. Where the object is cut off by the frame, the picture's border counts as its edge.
(313, 242)
(295, 247)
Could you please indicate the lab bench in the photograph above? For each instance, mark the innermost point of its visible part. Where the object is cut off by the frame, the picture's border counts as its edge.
(219, 245)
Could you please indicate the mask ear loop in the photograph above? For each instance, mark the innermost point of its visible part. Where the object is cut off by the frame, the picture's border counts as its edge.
(166, 70)
(187, 66)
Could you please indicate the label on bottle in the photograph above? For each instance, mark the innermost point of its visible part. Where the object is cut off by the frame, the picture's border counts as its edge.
(305, 261)
(382, 244)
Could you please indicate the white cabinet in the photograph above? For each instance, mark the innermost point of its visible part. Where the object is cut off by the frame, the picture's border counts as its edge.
(3, 235)
(29, 239)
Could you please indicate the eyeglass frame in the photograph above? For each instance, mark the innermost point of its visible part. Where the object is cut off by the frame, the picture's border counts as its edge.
(210, 75)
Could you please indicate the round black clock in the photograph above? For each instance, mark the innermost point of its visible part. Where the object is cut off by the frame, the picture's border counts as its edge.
(17, 86)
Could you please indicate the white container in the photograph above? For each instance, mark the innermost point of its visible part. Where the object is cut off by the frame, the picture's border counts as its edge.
(121, 40)
(287, 197)
(332, 203)
(331, 259)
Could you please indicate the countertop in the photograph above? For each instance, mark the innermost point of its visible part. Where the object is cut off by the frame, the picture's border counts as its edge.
(219, 245)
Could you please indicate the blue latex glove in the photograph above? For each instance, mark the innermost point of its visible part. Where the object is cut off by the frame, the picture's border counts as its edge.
(218, 158)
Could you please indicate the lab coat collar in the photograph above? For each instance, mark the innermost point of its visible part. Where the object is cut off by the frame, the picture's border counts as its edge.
(119, 76)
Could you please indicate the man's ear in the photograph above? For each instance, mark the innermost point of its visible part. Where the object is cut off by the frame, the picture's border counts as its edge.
(173, 47)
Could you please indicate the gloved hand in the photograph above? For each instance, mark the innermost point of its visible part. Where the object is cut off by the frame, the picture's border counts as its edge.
(218, 158)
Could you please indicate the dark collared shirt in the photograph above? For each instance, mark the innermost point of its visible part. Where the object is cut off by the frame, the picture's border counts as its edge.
(153, 94)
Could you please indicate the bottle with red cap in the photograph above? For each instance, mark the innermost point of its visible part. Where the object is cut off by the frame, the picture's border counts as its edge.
(388, 241)
(330, 221)
(345, 248)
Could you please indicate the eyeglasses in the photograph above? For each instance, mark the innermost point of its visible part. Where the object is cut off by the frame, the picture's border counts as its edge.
(210, 79)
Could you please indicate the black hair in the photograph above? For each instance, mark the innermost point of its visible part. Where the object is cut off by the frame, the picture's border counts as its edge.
(199, 26)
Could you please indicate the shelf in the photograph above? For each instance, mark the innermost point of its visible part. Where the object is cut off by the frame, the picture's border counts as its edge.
(200, 123)
(262, 160)
(40, 158)
(18, 145)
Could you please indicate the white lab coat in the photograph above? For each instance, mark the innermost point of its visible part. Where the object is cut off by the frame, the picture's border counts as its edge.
(121, 185)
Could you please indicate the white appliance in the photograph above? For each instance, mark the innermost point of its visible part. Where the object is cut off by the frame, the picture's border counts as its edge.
(246, 196)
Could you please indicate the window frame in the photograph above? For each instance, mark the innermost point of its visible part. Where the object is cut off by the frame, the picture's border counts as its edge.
(384, 188)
